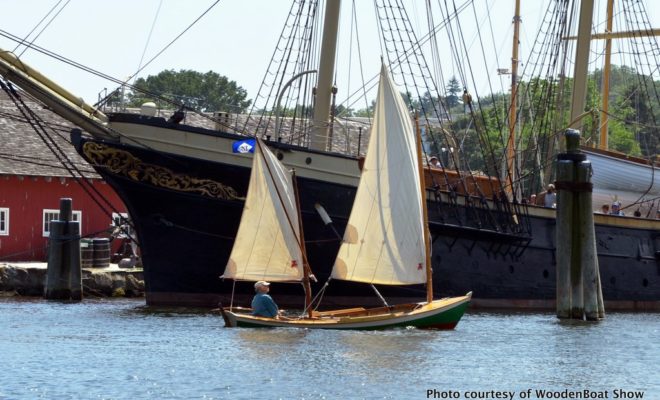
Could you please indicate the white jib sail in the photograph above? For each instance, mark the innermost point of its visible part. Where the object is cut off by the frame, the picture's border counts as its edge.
(384, 239)
(266, 246)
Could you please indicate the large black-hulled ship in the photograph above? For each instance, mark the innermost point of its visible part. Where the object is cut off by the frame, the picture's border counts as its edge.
(184, 185)
(187, 210)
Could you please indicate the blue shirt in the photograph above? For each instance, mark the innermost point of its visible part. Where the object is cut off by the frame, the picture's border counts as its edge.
(550, 200)
(264, 306)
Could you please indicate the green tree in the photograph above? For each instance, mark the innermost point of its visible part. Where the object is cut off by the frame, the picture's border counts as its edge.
(431, 105)
(299, 111)
(622, 139)
(366, 112)
(343, 111)
(453, 89)
(634, 109)
(208, 91)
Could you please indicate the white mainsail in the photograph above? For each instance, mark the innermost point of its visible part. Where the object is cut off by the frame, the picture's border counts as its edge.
(384, 238)
(266, 245)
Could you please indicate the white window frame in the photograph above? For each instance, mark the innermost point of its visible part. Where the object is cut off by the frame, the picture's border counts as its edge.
(51, 214)
(4, 221)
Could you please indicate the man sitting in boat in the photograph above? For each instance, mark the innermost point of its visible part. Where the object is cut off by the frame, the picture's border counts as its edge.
(262, 304)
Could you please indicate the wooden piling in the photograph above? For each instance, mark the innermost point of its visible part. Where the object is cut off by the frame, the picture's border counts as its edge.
(574, 155)
(64, 275)
(66, 209)
(562, 233)
(57, 280)
(588, 257)
(72, 247)
(577, 288)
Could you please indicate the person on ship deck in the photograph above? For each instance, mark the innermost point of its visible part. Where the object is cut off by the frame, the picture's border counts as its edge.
(550, 198)
(616, 209)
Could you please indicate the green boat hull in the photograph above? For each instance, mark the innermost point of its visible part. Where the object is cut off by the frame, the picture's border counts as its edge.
(440, 314)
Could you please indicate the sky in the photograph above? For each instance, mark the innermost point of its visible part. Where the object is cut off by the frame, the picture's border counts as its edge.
(236, 38)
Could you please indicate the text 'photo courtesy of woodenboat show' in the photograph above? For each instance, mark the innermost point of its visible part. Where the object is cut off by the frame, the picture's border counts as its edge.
(330, 199)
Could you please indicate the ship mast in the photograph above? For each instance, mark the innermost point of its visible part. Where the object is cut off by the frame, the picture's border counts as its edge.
(581, 63)
(307, 272)
(427, 239)
(582, 55)
(320, 135)
(608, 36)
(602, 144)
(510, 148)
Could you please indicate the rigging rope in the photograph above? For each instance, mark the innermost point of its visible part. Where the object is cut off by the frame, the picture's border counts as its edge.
(151, 31)
(38, 125)
(43, 29)
(167, 46)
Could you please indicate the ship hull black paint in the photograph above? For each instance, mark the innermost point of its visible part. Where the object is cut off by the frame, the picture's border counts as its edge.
(186, 238)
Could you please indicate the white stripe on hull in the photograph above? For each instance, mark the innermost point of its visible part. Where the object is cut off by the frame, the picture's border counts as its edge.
(325, 167)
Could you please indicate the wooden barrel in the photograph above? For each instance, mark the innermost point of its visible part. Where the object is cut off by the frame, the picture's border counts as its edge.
(86, 252)
(101, 253)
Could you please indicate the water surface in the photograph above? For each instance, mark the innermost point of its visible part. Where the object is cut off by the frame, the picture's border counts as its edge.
(121, 349)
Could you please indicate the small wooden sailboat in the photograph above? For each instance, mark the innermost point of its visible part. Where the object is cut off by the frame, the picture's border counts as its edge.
(386, 241)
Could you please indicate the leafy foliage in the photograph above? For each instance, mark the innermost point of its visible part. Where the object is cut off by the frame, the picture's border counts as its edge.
(543, 115)
(208, 91)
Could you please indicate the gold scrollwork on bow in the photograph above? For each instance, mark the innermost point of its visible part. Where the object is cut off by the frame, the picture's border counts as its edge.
(124, 163)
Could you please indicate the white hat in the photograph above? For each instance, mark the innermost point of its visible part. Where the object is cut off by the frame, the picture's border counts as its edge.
(259, 284)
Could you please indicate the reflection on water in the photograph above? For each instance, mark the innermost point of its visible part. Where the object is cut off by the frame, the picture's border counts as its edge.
(121, 349)
(271, 344)
(383, 349)
(269, 337)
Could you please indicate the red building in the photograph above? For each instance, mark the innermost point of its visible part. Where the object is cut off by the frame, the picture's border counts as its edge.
(33, 179)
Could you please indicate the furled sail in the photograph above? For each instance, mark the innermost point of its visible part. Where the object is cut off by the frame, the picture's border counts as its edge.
(384, 238)
(266, 245)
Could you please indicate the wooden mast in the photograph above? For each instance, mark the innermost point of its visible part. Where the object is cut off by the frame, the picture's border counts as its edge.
(608, 35)
(603, 143)
(581, 63)
(319, 140)
(303, 250)
(300, 238)
(427, 241)
(510, 147)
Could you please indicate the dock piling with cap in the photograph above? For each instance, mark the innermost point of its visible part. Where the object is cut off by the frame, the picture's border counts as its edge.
(64, 275)
(579, 293)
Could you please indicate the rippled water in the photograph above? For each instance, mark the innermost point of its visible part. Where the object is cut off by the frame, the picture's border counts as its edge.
(120, 349)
